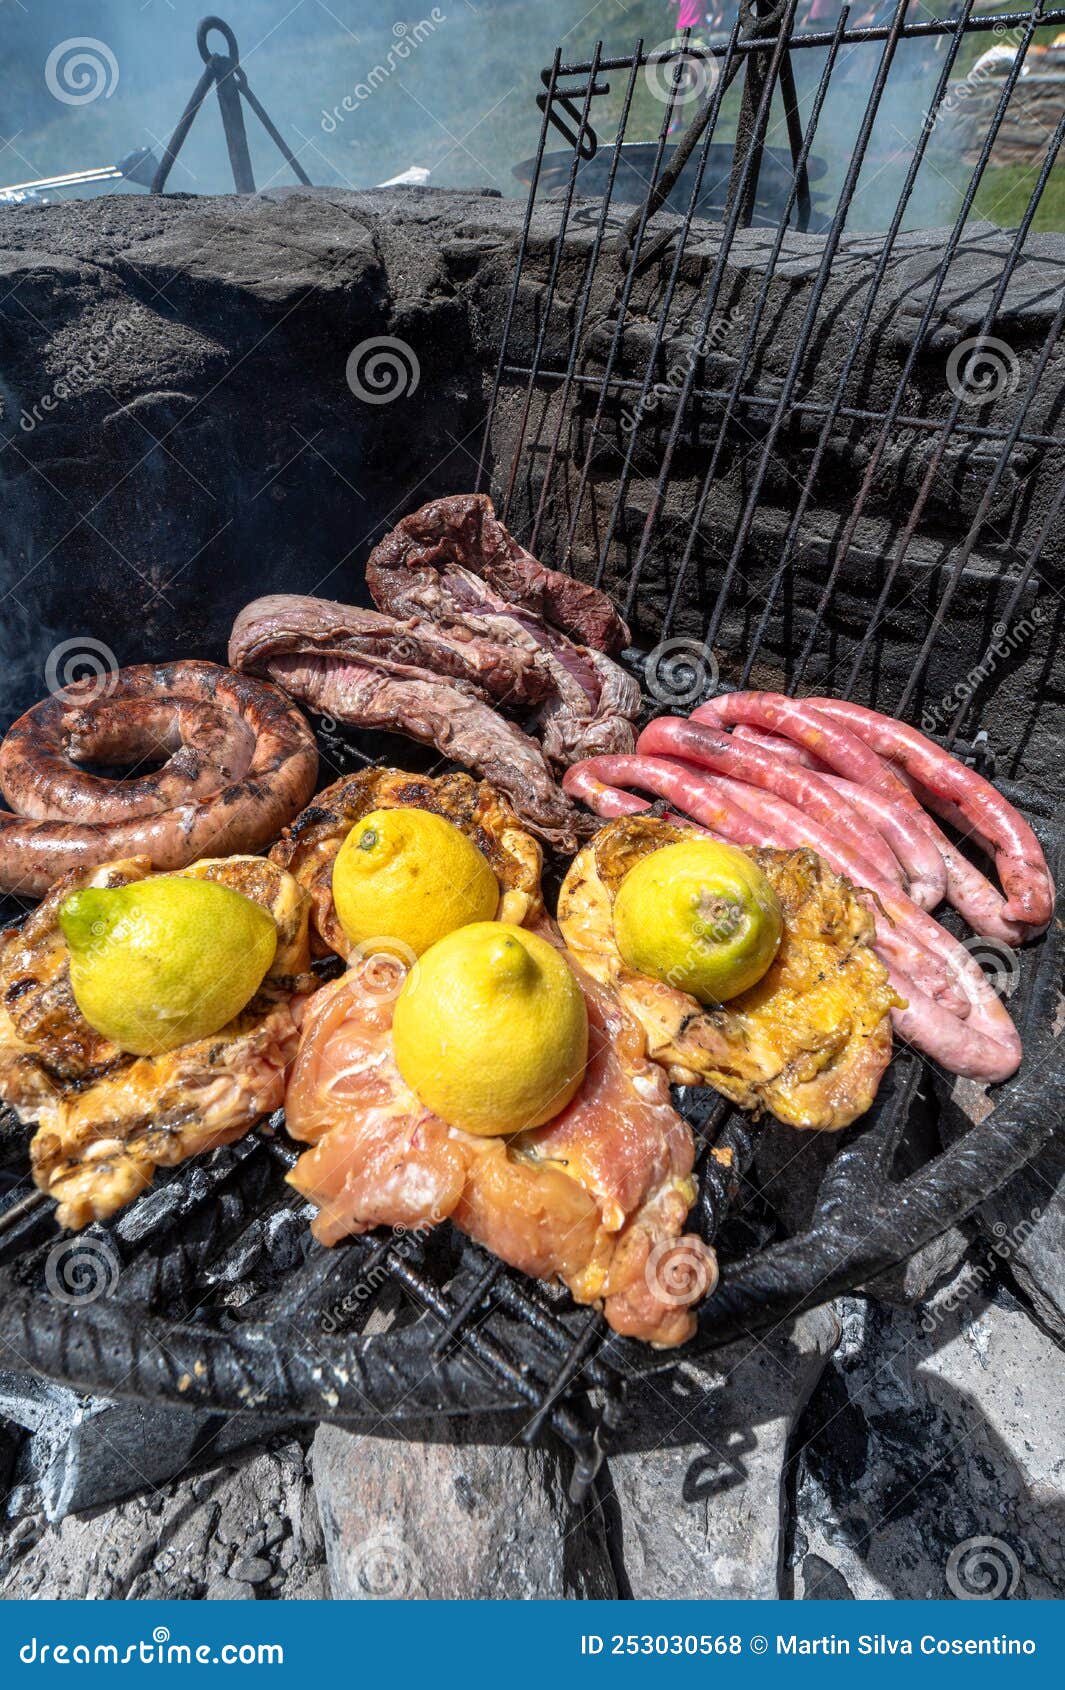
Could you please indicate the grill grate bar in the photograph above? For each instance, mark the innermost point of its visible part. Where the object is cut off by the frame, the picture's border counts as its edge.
(552, 282)
(708, 117)
(740, 195)
(473, 1300)
(836, 408)
(891, 417)
(810, 316)
(1020, 587)
(964, 551)
(815, 408)
(748, 346)
(582, 313)
(982, 23)
(731, 224)
(523, 247)
(490, 1353)
(631, 272)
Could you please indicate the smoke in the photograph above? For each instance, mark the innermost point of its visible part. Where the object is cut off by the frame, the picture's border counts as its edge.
(361, 91)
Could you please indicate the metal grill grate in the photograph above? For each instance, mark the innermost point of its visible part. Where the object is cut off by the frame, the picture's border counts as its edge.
(222, 1300)
(569, 470)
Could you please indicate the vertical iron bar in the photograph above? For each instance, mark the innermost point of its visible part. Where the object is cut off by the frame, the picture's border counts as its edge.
(710, 305)
(680, 247)
(756, 320)
(523, 242)
(938, 284)
(1050, 526)
(622, 309)
(856, 347)
(552, 282)
(832, 240)
(586, 293)
(1001, 461)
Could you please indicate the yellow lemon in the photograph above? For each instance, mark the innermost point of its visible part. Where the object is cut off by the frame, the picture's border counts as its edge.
(491, 1029)
(410, 876)
(166, 961)
(699, 916)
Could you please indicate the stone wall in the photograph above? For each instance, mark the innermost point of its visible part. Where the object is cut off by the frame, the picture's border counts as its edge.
(179, 432)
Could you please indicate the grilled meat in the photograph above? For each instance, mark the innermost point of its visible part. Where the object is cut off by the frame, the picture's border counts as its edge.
(308, 848)
(105, 1119)
(809, 1042)
(454, 563)
(596, 1198)
(405, 676)
(241, 761)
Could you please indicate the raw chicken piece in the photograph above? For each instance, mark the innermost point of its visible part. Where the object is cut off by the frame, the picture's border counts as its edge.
(597, 1197)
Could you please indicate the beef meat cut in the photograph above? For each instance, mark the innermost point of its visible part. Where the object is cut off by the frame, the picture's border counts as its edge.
(453, 563)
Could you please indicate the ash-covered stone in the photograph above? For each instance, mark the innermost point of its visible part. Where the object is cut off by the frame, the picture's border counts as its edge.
(84, 1451)
(455, 1510)
(199, 1537)
(931, 1430)
(697, 1490)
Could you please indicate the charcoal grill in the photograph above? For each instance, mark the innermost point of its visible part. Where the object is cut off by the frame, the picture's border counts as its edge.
(220, 1299)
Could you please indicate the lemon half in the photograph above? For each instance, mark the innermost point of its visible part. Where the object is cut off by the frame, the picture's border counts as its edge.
(699, 916)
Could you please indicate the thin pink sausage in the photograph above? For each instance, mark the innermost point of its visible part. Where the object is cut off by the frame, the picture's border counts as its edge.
(606, 801)
(610, 802)
(970, 892)
(1018, 854)
(689, 790)
(752, 818)
(911, 831)
(670, 736)
(780, 746)
(985, 1046)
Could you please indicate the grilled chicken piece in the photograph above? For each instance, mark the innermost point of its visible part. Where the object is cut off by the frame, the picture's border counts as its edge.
(596, 1198)
(308, 848)
(106, 1119)
(808, 1043)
